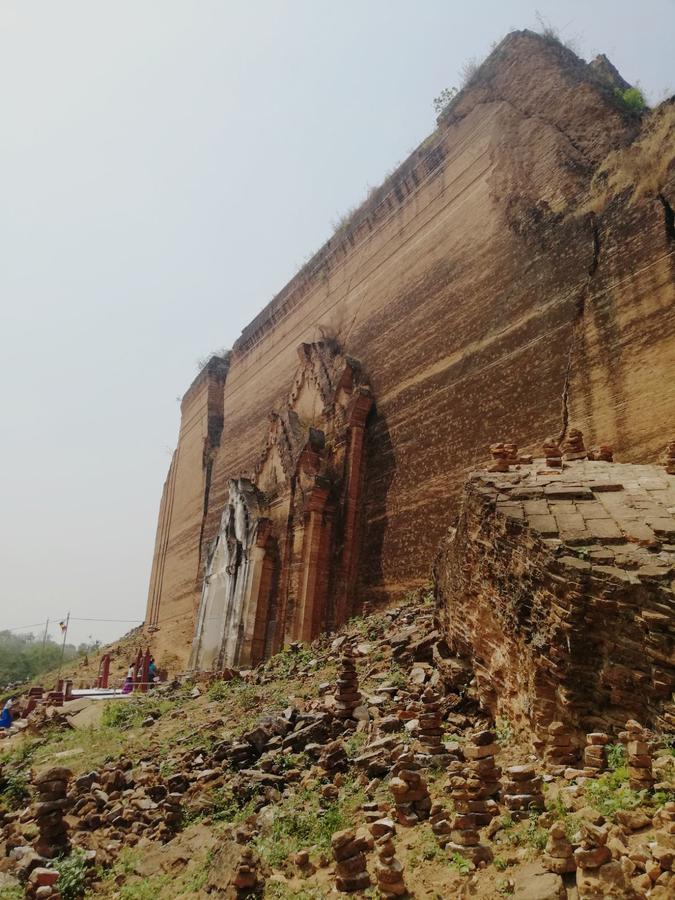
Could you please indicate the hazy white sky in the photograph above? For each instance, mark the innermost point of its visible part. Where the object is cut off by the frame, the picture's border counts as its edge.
(165, 166)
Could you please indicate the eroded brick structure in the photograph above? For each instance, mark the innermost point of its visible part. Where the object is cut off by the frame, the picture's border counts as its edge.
(283, 563)
(557, 586)
(513, 274)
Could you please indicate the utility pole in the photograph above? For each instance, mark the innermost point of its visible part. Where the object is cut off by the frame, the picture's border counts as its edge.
(63, 645)
(44, 636)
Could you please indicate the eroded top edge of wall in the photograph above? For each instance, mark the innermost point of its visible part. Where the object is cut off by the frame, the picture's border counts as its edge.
(423, 163)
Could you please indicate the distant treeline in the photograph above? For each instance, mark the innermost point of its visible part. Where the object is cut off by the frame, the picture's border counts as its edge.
(24, 656)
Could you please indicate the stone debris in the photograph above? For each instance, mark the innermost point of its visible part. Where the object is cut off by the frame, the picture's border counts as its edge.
(595, 758)
(573, 445)
(522, 791)
(125, 805)
(52, 789)
(410, 791)
(333, 758)
(664, 819)
(638, 755)
(669, 458)
(559, 854)
(349, 850)
(347, 696)
(376, 759)
(128, 807)
(388, 869)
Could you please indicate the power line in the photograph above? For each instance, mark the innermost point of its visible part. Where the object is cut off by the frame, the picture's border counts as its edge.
(72, 619)
(76, 619)
(24, 627)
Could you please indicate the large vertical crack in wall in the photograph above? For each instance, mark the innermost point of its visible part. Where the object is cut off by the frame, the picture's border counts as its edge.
(577, 323)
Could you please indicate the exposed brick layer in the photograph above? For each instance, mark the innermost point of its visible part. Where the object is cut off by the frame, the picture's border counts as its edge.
(558, 588)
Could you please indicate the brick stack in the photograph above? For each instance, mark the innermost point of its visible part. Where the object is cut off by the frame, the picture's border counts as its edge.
(371, 811)
(172, 808)
(347, 696)
(573, 445)
(522, 791)
(411, 795)
(388, 869)
(594, 752)
(552, 453)
(480, 753)
(638, 754)
(559, 748)
(246, 880)
(43, 883)
(559, 854)
(52, 788)
(431, 730)
(349, 848)
(591, 858)
(440, 824)
(333, 758)
(500, 458)
(669, 458)
(664, 819)
(603, 453)
(511, 449)
(472, 812)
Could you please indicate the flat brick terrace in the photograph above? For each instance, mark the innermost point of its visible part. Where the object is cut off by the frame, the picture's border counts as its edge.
(617, 518)
(558, 586)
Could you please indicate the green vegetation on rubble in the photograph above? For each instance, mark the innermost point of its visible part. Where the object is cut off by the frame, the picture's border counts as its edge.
(72, 871)
(304, 822)
(277, 890)
(12, 892)
(616, 756)
(130, 713)
(503, 731)
(610, 793)
(458, 862)
(528, 833)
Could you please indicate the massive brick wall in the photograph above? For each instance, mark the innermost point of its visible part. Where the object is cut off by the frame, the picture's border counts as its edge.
(177, 562)
(496, 285)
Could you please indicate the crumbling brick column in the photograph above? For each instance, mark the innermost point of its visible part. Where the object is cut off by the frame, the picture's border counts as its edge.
(52, 787)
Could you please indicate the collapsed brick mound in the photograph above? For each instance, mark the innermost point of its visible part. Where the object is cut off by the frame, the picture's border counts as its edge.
(558, 586)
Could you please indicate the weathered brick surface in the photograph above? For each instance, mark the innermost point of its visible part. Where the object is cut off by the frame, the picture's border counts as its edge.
(553, 635)
(482, 300)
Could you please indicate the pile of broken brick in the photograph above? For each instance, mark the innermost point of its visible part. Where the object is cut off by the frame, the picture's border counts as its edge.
(555, 451)
(426, 718)
(99, 813)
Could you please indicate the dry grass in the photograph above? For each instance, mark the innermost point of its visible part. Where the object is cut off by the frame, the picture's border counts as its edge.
(639, 170)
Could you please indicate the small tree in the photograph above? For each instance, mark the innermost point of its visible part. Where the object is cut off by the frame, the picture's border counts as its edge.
(444, 99)
(632, 99)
